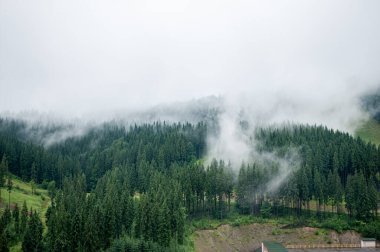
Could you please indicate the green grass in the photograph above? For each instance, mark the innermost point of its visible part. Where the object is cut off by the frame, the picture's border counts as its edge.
(235, 219)
(23, 192)
(16, 248)
(369, 131)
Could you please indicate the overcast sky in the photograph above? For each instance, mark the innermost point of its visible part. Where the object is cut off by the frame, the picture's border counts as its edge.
(79, 56)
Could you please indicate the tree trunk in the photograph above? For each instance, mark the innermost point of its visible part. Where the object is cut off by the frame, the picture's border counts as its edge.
(215, 203)
(229, 202)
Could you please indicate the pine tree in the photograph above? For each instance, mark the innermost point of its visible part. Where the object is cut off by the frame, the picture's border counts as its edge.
(3, 172)
(362, 205)
(373, 197)
(24, 218)
(337, 190)
(51, 190)
(16, 217)
(33, 177)
(4, 247)
(350, 195)
(164, 225)
(330, 189)
(303, 189)
(5, 220)
(9, 188)
(33, 235)
(318, 190)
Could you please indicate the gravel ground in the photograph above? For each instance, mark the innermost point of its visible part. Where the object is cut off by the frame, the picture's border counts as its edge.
(249, 237)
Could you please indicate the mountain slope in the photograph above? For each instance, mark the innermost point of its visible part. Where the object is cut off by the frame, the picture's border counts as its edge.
(369, 131)
(21, 192)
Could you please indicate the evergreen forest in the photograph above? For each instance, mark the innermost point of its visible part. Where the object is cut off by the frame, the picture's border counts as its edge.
(139, 187)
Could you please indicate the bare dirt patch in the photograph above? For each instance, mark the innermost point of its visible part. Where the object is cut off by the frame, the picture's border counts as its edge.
(249, 237)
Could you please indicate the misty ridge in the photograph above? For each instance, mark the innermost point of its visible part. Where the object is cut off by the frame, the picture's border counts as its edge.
(143, 125)
(256, 64)
(232, 126)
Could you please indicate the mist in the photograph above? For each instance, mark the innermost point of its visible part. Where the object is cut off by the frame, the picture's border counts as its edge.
(77, 58)
(262, 62)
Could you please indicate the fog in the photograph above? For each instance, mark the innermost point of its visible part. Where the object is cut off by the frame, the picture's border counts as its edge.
(266, 62)
(84, 57)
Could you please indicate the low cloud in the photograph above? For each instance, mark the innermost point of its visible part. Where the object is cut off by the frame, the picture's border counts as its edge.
(258, 62)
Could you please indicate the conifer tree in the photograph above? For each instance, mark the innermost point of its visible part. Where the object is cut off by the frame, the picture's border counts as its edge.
(337, 190)
(373, 197)
(9, 188)
(318, 190)
(350, 195)
(33, 234)
(33, 177)
(24, 218)
(3, 172)
(16, 217)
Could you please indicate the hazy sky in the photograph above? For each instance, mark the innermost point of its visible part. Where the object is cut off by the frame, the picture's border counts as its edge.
(76, 56)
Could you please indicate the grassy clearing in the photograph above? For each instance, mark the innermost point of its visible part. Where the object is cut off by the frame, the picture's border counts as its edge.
(369, 131)
(21, 192)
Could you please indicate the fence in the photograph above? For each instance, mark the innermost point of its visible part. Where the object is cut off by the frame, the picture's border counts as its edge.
(315, 246)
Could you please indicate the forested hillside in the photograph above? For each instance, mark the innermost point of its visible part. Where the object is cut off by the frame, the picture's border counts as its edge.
(117, 188)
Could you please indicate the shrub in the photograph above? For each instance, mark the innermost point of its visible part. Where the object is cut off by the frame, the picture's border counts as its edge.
(371, 230)
(266, 210)
(44, 184)
(338, 224)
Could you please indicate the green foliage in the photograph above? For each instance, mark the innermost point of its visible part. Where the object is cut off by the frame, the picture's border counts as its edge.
(51, 189)
(9, 187)
(361, 197)
(371, 229)
(129, 244)
(338, 224)
(369, 131)
(92, 221)
(10, 231)
(32, 240)
(133, 188)
(23, 219)
(22, 191)
(241, 221)
(266, 210)
(334, 166)
(16, 218)
(3, 172)
(159, 143)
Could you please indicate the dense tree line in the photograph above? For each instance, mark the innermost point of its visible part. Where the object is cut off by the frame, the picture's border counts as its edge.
(80, 222)
(99, 150)
(21, 225)
(334, 169)
(132, 188)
